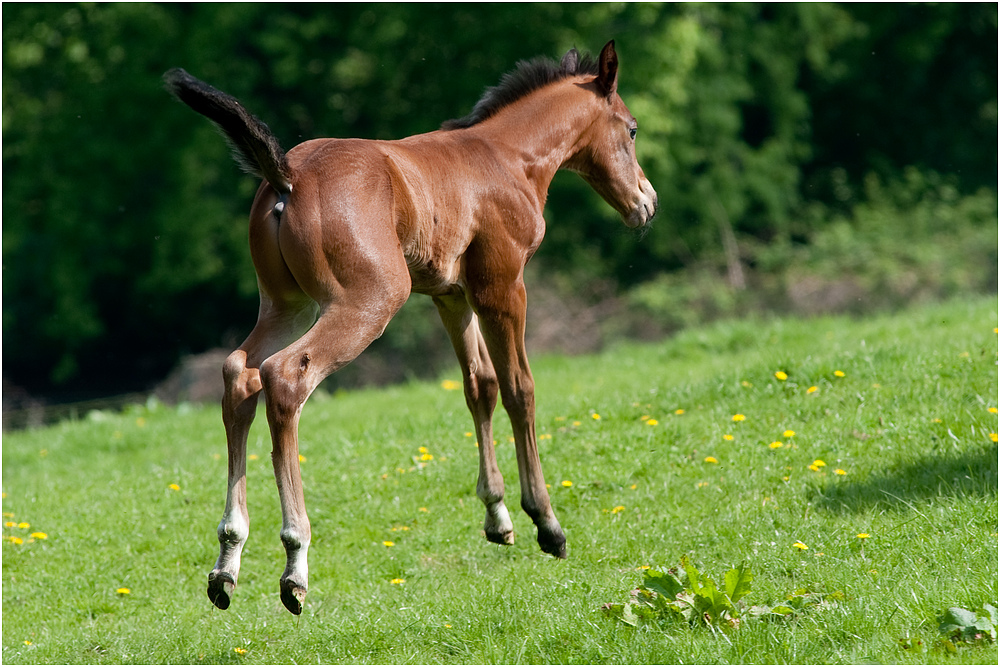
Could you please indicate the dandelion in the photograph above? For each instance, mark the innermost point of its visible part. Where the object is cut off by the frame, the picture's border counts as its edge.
(10, 524)
(652, 422)
(739, 418)
(634, 487)
(993, 410)
(422, 509)
(814, 467)
(839, 471)
(781, 375)
(422, 450)
(819, 463)
(813, 389)
(302, 459)
(254, 457)
(711, 459)
(839, 374)
(679, 411)
(27, 642)
(40, 536)
(174, 487)
(702, 485)
(239, 651)
(14, 540)
(642, 567)
(596, 416)
(619, 508)
(863, 536)
(800, 546)
(450, 385)
(389, 543)
(427, 457)
(567, 483)
(993, 437)
(24, 525)
(123, 591)
(576, 423)
(776, 445)
(468, 434)
(789, 434)
(397, 581)
(447, 625)
(746, 384)
(727, 437)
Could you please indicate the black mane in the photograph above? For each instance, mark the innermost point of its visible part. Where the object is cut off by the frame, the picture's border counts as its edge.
(527, 77)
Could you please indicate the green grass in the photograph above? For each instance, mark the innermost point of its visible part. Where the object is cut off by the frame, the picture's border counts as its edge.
(909, 423)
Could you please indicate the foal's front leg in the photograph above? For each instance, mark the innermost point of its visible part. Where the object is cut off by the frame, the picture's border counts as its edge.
(503, 330)
(480, 384)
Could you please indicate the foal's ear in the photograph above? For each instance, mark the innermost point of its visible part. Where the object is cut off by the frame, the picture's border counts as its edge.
(570, 61)
(607, 73)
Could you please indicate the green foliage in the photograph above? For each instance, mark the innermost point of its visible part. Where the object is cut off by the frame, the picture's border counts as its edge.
(668, 597)
(124, 220)
(962, 625)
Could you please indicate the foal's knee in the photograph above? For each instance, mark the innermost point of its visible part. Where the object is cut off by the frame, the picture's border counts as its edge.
(481, 388)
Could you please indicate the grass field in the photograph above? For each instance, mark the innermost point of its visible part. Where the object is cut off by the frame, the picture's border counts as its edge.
(111, 519)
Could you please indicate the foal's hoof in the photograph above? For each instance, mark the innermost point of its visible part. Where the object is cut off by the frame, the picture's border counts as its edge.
(292, 596)
(553, 543)
(505, 538)
(220, 589)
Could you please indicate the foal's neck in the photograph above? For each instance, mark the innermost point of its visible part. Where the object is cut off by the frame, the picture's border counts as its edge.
(544, 131)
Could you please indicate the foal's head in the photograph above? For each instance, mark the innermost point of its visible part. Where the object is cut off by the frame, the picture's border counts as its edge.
(606, 159)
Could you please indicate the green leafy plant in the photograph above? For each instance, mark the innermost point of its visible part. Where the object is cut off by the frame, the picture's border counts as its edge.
(688, 595)
(962, 625)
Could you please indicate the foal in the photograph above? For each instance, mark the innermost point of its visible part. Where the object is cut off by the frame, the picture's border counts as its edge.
(343, 230)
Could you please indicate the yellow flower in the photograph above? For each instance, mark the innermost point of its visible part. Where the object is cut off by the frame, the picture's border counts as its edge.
(652, 422)
(993, 437)
(567, 483)
(775, 445)
(702, 484)
(10, 524)
(993, 410)
(840, 471)
(863, 536)
(389, 543)
(800, 546)
(422, 450)
(781, 375)
(427, 457)
(15, 540)
(634, 487)
(175, 487)
(679, 411)
(253, 457)
(468, 434)
(727, 437)
(123, 591)
(450, 385)
(422, 509)
(398, 581)
(789, 434)
(642, 567)
(746, 384)
(812, 390)
(596, 416)
(711, 459)
(819, 463)
(620, 508)
(239, 651)
(27, 642)
(839, 374)
(302, 459)
(739, 418)
(814, 467)
(25, 525)
(40, 536)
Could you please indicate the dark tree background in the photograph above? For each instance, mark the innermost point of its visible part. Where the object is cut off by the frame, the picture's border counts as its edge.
(124, 233)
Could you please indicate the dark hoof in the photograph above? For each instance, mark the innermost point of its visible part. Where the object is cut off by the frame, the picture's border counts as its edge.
(553, 544)
(292, 596)
(220, 589)
(505, 539)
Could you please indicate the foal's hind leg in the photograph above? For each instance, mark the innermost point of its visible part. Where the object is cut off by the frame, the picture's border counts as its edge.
(288, 378)
(276, 326)
(480, 383)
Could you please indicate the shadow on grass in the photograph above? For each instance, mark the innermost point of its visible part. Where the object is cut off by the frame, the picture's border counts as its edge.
(944, 476)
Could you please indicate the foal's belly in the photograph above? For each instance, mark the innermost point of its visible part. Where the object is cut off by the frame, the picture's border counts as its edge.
(434, 277)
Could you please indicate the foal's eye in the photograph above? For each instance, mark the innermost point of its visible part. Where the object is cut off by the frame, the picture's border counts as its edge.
(632, 132)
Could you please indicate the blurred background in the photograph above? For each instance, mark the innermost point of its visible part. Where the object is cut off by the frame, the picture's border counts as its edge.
(809, 158)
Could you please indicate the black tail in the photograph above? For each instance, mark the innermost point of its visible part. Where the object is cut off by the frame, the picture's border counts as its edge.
(254, 147)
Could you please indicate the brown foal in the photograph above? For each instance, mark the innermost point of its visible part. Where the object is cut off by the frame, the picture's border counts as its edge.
(343, 230)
